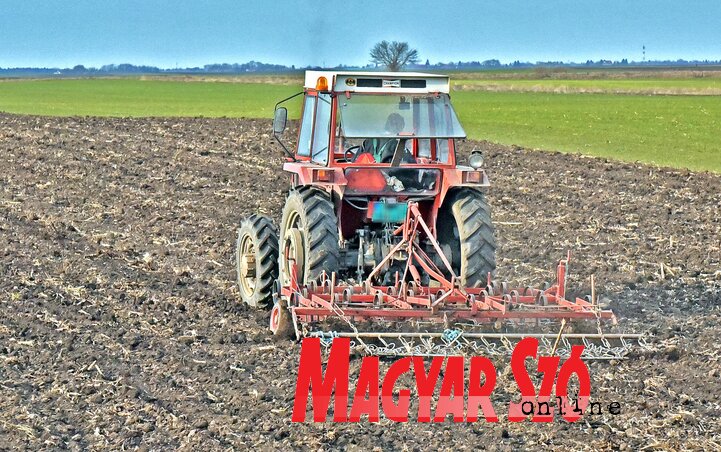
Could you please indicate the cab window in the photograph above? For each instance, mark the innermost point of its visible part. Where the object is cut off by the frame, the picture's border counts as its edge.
(424, 148)
(321, 133)
(306, 127)
(442, 149)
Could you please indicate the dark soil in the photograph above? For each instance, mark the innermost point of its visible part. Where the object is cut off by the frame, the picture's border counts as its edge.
(120, 325)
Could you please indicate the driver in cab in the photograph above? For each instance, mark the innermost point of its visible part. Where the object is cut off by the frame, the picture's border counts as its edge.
(383, 149)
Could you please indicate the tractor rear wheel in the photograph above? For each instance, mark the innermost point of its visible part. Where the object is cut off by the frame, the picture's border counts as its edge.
(256, 260)
(465, 233)
(308, 236)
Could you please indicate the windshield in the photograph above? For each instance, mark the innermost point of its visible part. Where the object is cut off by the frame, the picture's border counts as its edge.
(416, 116)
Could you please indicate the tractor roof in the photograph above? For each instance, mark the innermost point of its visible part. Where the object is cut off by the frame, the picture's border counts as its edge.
(375, 82)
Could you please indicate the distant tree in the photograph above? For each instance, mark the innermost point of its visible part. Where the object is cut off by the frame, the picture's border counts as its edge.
(393, 55)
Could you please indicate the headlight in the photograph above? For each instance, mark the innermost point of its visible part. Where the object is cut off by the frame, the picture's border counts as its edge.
(476, 160)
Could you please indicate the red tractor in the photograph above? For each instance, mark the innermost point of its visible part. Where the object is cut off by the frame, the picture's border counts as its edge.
(381, 223)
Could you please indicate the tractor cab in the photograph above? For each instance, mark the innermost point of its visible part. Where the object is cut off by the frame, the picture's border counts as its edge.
(371, 145)
(366, 135)
(371, 117)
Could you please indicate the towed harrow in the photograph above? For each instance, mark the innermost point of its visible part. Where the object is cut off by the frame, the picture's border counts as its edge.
(442, 317)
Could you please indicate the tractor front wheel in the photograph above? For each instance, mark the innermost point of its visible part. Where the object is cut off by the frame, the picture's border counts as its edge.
(256, 260)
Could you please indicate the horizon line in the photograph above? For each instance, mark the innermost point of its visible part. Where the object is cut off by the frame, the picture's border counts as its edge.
(481, 64)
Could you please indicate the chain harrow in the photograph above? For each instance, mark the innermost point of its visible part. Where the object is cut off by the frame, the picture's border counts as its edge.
(455, 342)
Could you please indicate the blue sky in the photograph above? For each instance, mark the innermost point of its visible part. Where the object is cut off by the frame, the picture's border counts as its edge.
(190, 33)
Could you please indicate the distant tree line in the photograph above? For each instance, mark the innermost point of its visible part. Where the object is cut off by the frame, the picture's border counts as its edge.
(496, 64)
(131, 69)
(258, 67)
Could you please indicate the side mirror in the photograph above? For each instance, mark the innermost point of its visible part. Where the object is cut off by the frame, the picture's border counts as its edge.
(279, 120)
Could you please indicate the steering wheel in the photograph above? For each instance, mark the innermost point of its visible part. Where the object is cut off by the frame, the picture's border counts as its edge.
(350, 154)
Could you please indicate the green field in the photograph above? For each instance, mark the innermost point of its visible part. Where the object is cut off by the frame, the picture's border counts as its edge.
(132, 97)
(709, 85)
(678, 131)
